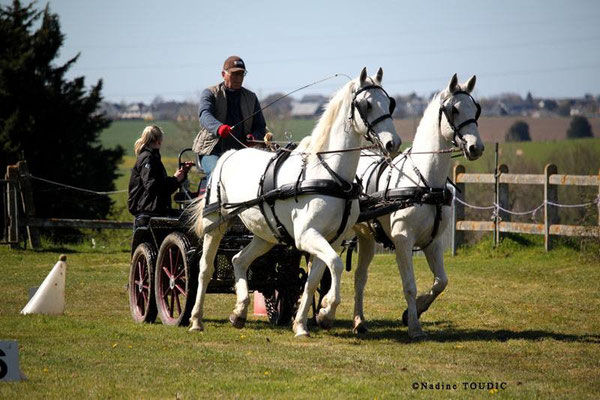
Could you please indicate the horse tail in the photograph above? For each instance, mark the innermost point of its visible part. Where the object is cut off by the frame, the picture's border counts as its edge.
(196, 211)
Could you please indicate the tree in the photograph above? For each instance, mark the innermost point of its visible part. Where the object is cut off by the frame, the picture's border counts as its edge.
(518, 132)
(50, 121)
(579, 128)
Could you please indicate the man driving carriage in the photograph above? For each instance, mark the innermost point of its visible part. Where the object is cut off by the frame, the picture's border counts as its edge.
(230, 117)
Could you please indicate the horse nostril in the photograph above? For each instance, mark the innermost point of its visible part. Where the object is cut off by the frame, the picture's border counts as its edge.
(473, 149)
(389, 146)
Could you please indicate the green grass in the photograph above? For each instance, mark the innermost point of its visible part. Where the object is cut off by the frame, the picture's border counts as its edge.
(516, 315)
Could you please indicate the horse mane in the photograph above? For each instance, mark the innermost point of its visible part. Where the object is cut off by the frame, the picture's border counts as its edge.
(431, 113)
(320, 134)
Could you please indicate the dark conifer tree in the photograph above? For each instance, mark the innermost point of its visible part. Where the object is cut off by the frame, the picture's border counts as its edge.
(51, 122)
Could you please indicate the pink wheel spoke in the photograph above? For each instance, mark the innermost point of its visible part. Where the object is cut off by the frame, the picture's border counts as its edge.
(172, 305)
(180, 289)
(140, 270)
(171, 261)
(169, 275)
(176, 265)
(145, 297)
(180, 274)
(178, 304)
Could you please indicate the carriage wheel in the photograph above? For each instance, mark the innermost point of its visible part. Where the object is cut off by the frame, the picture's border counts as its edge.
(141, 284)
(281, 306)
(175, 282)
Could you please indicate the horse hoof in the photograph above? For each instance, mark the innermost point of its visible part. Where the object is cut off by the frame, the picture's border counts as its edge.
(237, 322)
(405, 317)
(324, 322)
(300, 331)
(196, 328)
(360, 329)
(418, 336)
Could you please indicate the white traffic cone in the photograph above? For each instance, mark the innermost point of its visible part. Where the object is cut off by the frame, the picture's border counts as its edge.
(50, 297)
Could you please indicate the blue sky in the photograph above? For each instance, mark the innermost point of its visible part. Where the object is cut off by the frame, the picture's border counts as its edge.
(142, 49)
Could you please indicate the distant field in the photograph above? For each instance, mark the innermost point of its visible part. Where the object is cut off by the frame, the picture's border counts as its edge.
(179, 136)
(493, 129)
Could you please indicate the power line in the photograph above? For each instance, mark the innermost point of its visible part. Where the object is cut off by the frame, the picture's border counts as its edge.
(436, 79)
(402, 54)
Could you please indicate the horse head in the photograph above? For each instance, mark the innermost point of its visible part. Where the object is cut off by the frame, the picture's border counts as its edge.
(458, 117)
(374, 108)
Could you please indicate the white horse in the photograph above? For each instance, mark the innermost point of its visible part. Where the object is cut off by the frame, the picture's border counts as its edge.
(314, 222)
(449, 120)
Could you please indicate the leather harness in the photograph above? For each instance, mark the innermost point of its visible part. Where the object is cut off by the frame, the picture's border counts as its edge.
(269, 193)
(377, 203)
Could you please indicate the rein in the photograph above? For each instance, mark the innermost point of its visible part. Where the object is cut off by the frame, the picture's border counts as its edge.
(281, 98)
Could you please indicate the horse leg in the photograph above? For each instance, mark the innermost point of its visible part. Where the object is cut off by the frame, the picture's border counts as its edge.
(435, 258)
(207, 268)
(241, 261)
(405, 267)
(366, 251)
(314, 243)
(315, 272)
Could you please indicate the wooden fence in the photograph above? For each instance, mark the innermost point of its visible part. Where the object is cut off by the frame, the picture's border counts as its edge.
(19, 222)
(550, 181)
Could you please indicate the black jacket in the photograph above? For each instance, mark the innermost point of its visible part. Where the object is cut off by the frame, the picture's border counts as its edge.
(150, 188)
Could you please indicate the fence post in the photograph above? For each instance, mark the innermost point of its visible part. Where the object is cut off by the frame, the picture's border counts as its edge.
(550, 212)
(458, 237)
(501, 200)
(28, 206)
(12, 195)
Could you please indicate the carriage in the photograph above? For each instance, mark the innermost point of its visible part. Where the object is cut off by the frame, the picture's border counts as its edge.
(163, 274)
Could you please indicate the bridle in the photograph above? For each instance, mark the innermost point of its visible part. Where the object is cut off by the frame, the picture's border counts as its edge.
(362, 105)
(446, 109)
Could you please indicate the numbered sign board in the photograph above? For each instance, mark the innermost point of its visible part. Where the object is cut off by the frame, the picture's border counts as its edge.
(9, 361)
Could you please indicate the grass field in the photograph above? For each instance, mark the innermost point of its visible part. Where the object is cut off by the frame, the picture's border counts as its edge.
(515, 315)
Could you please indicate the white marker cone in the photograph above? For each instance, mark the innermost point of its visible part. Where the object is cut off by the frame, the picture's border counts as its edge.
(50, 297)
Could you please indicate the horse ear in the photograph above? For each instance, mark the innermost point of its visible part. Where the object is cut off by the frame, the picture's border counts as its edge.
(453, 85)
(471, 83)
(379, 75)
(363, 75)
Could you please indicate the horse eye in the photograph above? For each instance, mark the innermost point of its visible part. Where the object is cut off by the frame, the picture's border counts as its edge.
(454, 110)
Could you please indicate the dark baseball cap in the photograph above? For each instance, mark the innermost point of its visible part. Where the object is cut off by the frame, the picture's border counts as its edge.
(234, 63)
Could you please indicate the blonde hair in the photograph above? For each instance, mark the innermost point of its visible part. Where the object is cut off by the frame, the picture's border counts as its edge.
(150, 134)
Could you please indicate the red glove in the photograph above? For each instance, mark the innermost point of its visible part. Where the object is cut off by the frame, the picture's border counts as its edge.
(224, 131)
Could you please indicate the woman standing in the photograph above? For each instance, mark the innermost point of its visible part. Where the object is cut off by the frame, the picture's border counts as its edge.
(150, 188)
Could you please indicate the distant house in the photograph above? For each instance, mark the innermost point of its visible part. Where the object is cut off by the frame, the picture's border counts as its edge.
(306, 110)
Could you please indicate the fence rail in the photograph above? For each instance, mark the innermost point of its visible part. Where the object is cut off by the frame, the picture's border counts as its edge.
(501, 223)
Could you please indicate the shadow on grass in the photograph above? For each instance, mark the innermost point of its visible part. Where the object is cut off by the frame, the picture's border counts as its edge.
(445, 331)
(440, 331)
